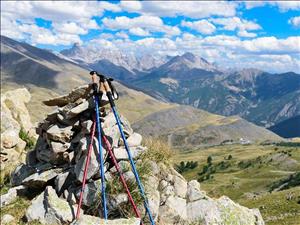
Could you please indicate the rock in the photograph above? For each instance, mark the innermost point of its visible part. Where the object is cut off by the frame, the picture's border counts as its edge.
(73, 96)
(56, 152)
(60, 133)
(173, 210)
(10, 138)
(47, 208)
(21, 172)
(121, 153)
(134, 140)
(116, 201)
(39, 180)
(80, 108)
(92, 220)
(129, 176)
(180, 187)
(62, 182)
(15, 100)
(91, 193)
(93, 166)
(234, 213)
(154, 202)
(7, 219)
(204, 210)
(193, 191)
(11, 195)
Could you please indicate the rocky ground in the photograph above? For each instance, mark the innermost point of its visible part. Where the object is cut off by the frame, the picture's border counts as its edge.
(54, 169)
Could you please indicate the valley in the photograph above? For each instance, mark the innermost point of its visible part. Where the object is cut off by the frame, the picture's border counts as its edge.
(251, 175)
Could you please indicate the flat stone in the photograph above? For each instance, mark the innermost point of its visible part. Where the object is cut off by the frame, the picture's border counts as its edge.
(60, 133)
(21, 172)
(121, 153)
(92, 220)
(73, 96)
(174, 209)
(62, 182)
(40, 180)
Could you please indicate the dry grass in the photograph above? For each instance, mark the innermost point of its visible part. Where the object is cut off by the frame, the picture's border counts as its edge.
(158, 151)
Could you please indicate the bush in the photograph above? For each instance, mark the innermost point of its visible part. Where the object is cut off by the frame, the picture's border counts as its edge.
(158, 151)
(209, 160)
(182, 166)
(30, 142)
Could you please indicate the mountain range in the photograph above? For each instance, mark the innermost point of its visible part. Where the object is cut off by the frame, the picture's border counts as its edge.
(257, 96)
(46, 75)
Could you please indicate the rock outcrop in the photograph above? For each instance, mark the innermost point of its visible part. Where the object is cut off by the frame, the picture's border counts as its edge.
(14, 117)
(55, 168)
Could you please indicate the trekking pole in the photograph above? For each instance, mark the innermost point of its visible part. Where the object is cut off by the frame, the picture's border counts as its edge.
(98, 124)
(85, 170)
(116, 164)
(103, 80)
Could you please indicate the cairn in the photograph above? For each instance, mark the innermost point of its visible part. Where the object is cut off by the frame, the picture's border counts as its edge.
(60, 154)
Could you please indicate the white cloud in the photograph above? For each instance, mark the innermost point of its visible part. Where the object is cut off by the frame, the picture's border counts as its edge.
(202, 26)
(138, 31)
(147, 23)
(244, 33)
(234, 23)
(295, 21)
(192, 9)
(282, 5)
(122, 34)
(69, 28)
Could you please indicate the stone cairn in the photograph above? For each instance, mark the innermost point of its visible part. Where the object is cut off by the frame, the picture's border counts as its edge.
(55, 168)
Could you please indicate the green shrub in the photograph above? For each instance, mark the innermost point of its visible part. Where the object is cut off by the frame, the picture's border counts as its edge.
(30, 141)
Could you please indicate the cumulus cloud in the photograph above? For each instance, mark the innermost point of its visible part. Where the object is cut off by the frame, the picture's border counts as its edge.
(145, 24)
(282, 5)
(202, 26)
(192, 9)
(235, 23)
(295, 21)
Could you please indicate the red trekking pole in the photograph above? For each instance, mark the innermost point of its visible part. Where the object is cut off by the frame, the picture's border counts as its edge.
(85, 170)
(112, 156)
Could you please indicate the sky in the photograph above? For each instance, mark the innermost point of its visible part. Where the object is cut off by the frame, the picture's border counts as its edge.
(231, 34)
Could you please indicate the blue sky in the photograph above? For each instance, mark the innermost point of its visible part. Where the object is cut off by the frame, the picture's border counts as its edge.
(257, 34)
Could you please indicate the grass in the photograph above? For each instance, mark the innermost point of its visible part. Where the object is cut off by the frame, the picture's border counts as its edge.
(18, 209)
(250, 171)
(30, 141)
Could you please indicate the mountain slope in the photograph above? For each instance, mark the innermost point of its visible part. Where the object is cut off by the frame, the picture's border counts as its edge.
(289, 128)
(46, 75)
(185, 126)
(255, 95)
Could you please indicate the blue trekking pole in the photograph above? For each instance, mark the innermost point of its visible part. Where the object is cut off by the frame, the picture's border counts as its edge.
(107, 88)
(98, 124)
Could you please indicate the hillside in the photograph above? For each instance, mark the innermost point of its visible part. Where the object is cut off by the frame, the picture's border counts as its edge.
(289, 128)
(185, 126)
(251, 175)
(47, 75)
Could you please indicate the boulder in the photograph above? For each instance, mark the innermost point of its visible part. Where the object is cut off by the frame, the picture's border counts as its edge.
(10, 138)
(193, 191)
(11, 195)
(180, 187)
(7, 219)
(134, 140)
(48, 208)
(63, 181)
(15, 100)
(173, 211)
